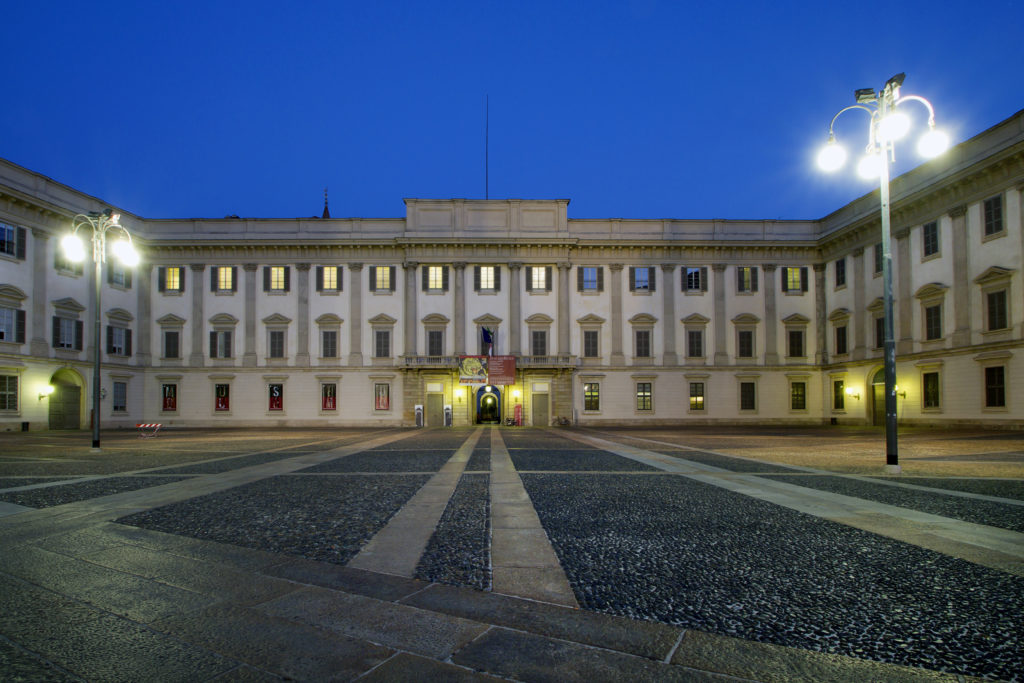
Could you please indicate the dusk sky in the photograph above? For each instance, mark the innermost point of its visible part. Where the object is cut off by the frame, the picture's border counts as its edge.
(641, 109)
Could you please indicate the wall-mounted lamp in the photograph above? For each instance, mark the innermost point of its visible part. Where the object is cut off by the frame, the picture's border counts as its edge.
(896, 390)
(46, 391)
(852, 393)
(516, 394)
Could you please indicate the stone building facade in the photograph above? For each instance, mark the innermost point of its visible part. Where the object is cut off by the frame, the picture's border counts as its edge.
(333, 322)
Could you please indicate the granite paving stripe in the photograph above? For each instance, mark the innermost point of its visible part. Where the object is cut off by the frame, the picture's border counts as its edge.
(51, 496)
(370, 584)
(523, 562)
(18, 482)
(393, 625)
(387, 461)
(573, 459)
(397, 548)
(407, 668)
(998, 488)
(529, 657)
(233, 463)
(294, 650)
(18, 664)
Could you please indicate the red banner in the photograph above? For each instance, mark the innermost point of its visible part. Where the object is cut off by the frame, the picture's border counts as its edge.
(501, 370)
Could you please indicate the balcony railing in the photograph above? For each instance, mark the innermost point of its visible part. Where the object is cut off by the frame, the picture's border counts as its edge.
(430, 361)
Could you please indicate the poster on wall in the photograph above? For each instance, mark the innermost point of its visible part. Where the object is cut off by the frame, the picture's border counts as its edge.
(328, 397)
(170, 397)
(276, 396)
(382, 396)
(222, 397)
(473, 369)
(501, 370)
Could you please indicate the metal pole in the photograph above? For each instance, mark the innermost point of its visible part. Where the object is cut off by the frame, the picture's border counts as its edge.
(97, 257)
(892, 462)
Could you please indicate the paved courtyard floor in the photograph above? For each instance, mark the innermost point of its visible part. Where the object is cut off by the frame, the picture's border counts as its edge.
(486, 553)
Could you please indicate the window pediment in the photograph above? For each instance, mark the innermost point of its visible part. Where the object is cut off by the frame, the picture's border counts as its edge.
(11, 295)
(382, 319)
(435, 319)
(68, 304)
(223, 319)
(276, 319)
(120, 315)
(591, 319)
(746, 319)
(839, 315)
(487, 319)
(696, 319)
(170, 320)
(932, 289)
(328, 319)
(994, 275)
(539, 319)
(796, 319)
(643, 319)
(876, 306)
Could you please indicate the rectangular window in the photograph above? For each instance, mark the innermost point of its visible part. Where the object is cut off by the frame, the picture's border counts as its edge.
(878, 258)
(435, 343)
(171, 279)
(381, 278)
(993, 215)
(591, 396)
(695, 343)
(589, 279)
(220, 344)
(169, 398)
(643, 343)
(120, 404)
(328, 278)
(119, 341)
(9, 392)
(930, 239)
(171, 344)
(838, 395)
(538, 278)
(382, 344)
(435, 278)
(840, 272)
(641, 279)
(590, 344)
(997, 310)
(841, 348)
(328, 396)
(329, 344)
(745, 344)
(382, 397)
(12, 325)
(798, 396)
(796, 344)
(695, 279)
(276, 343)
(879, 333)
(222, 397)
(67, 333)
(223, 279)
(275, 397)
(930, 389)
(485, 278)
(933, 322)
(696, 395)
(539, 342)
(746, 279)
(12, 240)
(118, 275)
(644, 399)
(995, 387)
(794, 279)
(276, 278)
(62, 264)
(748, 396)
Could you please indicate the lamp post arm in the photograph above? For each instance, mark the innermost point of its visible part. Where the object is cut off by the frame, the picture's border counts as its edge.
(869, 110)
(918, 98)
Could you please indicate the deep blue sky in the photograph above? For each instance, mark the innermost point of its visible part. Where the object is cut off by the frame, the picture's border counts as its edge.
(641, 109)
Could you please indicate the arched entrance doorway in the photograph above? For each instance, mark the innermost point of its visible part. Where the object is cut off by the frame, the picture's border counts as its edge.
(878, 398)
(66, 400)
(488, 405)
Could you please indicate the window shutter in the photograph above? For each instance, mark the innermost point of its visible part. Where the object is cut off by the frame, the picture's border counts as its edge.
(682, 279)
(213, 344)
(476, 278)
(56, 331)
(373, 279)
(739, 278)
(127, 279)
(110, 275)
(79, 330)
(650, 279)
(127, 342)
(497, 278)
(234, 278)
(753, 279)
(632, 279)
(529, 278)
(579, 278)
(319, 278)
(19, 244)
(181, 278)
(339, 272)
(110, 339)
(391, 277)
(161, 279)
(288, 278)
(547, 278)
(600, 278)
(19, 327)
(424, 278)
(803, 279)
(266, 278)
(785, 284)
(227, 344)
(213, 279)
(703, 278)
(444, 278)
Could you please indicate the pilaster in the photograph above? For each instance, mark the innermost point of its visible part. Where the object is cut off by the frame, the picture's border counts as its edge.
(718, 282)
(668, 300)
(820, 316)
(302, 315)
(355, 355)
(515, 293)
(459, 312)
(249, 355)
(39, 346)
(143, 331)
(195, 358)
(904, 297)
(563, 308)
(961, 279)
(409, 308)
(771, 316)
(860, 350)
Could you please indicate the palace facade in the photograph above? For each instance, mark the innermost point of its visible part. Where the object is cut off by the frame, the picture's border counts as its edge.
(357, 321)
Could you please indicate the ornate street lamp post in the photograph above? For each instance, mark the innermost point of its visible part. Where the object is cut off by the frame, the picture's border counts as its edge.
(74, 249)
(887, 125)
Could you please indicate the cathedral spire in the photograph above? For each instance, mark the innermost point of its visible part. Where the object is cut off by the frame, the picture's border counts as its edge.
(327, 212)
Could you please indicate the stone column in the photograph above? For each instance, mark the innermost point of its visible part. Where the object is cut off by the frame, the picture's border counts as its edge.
(515, 311)
(859, 311)
(409, 308)
(143, 333)
(618, 358)
(904, 297)
(564, 292)
(771, 316)
(718, 283)
(355, 352)
(40, 346)
(961, 279)
(668, 299)
(820, 316)
(249, 357)
(198, 324)
(302, 315)
(459, 313)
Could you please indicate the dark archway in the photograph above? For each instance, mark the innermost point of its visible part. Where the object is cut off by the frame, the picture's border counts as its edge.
(488, 405)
